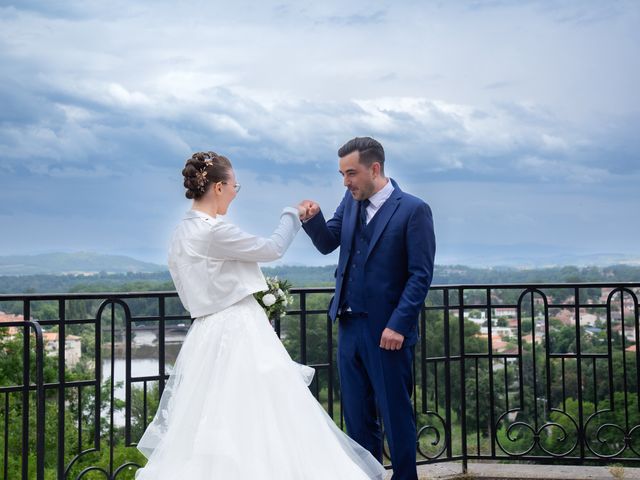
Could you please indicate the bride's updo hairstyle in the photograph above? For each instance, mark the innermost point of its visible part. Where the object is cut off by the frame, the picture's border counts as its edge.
(202, 170)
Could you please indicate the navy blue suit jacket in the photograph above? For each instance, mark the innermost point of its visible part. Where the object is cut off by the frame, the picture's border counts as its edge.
(399, 263)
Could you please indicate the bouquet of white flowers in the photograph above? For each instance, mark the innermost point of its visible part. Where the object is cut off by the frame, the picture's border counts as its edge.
(276, 299)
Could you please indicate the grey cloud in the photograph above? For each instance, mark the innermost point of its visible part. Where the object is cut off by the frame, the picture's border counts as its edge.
(490, 4)
(51, 9)
(100, 104)
(388, 77)
(102, 112)
(587, 13)
(355, 19)
(506, 142)
(68, 10)
(576, 12)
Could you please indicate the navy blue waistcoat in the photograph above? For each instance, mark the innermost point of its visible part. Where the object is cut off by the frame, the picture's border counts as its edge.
(354, 293)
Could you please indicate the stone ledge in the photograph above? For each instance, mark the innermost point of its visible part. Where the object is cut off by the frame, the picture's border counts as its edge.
(503, 471)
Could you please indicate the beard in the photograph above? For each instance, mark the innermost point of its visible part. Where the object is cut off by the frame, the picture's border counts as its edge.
(363, 192)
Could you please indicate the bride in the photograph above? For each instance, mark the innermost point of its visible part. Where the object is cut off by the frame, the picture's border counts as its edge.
(236, 407)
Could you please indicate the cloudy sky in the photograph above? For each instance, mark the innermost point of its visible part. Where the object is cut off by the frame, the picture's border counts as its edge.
(517, 121)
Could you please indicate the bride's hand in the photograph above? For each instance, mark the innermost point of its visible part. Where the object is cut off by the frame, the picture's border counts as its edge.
(302, 211)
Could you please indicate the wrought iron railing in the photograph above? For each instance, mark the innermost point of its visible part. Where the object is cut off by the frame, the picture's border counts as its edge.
(31, 385)
(539, 373)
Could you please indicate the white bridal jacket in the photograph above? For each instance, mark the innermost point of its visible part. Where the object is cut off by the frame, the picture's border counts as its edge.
(214, 264)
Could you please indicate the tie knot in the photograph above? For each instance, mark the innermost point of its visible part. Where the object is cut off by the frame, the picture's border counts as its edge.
(365, 203)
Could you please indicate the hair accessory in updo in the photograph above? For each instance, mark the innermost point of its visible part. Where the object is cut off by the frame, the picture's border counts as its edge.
(201, 178)
(203, 169)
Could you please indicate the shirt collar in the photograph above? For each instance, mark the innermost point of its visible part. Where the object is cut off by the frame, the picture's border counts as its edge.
(378, 198)
(197, 214)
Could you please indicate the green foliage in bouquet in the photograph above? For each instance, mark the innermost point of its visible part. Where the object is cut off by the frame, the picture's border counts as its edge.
(276, 299)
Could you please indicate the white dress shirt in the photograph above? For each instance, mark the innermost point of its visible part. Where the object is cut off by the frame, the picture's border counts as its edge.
(377, 200)
(214, 264)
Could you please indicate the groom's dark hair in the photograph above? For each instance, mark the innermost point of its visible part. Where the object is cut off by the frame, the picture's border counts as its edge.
(370, 151)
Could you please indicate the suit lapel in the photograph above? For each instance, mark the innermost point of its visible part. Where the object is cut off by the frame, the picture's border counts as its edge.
(383, 216)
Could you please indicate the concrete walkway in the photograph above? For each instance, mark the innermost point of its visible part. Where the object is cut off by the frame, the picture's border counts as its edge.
(502, 471)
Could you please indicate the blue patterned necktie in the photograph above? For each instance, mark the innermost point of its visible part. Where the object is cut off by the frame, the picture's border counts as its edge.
(363, 212)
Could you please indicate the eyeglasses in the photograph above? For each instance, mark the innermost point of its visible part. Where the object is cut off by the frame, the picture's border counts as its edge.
(236, 186)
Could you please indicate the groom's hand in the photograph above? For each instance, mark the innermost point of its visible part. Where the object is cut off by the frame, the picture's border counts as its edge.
(391, 340)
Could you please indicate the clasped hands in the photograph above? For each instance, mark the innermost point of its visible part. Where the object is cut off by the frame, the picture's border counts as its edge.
(307, 209)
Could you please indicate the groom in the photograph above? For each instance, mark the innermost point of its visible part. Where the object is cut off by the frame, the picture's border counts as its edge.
(387, 246)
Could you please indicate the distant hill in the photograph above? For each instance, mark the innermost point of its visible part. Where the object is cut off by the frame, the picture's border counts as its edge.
(462, 274)
(79, 263)
(301, 277)
(528, 256)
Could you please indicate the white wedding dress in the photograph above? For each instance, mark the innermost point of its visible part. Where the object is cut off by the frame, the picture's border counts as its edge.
(236, 407)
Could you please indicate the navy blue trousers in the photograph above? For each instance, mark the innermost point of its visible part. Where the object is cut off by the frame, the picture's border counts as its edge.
(373, 379)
